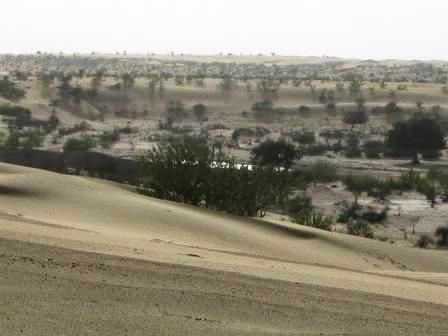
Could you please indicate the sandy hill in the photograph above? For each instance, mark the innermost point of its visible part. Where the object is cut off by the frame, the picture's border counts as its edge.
(87, 215)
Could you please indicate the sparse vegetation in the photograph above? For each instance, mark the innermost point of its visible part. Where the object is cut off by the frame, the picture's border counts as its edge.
(82, 144)
(202, 176)
(416, 135)
(278, 154)
(10, 90)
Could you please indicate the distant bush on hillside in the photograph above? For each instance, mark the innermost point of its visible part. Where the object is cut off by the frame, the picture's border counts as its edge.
(320, 172)
(83, 144)
(315, 220)
(26, 140)
(14, 111)
(9, 90)
(359, 227)
(195, 174)
(442, 236)
(373, 149)
(424, 241)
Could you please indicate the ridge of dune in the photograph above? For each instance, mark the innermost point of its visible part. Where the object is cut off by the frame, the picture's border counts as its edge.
(100, 216)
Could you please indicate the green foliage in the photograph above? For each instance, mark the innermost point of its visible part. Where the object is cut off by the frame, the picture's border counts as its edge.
(175, 110)
(9, 90)
(429, 189)
(83, 144)
(418, 134)
(424, 241)
(27, 140)
(304, 138)
(81, 127)
(13, 140)
(199, 111)
(226, 86)
(299, 204)
(356, 118)
(107, 139)
(268, 88)
(263, 106)
(373, 149)
(32, 140)
(355, 211)
(14, 111)
(195, 174)
(352, 149)
(441, 178)
(358, 184)
(321, 172)
(250, 132)
(315, 220)
(315, 150)
(278, 154)
(409, 180)
(442, 236)
(392, 107)
(355, 87)
(326, 96)
(360, 228)
(305, 111)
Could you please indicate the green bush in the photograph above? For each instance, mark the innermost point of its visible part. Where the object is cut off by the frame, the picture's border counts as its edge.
(299, 205)
(83, 144)
(28, 140)
(315, 220)
(195, 174)
(352, 150)
(13, 111)
(320, 172)
(371, 215)
(357, 184)
(315, 150)
(13, 140)
(32, 140)
(107, 139)
(359, 227)
(355, 211)
(275, 153)
(442, 236)
(305, 138)
(9, 90)
(373, 149)
(424, 241)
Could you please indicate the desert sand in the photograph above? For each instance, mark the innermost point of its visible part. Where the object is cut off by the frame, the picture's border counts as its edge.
(81, 256)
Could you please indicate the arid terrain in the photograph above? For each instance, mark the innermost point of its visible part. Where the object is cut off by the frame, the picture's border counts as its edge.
(80, 256)
(130, 111)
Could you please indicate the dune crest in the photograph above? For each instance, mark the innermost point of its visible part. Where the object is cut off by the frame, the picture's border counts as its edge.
(98, 216)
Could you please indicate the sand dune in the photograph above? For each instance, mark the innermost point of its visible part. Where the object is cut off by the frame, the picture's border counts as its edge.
(96, 216)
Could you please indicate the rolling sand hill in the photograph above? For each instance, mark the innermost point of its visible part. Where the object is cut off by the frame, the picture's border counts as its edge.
(80, 256)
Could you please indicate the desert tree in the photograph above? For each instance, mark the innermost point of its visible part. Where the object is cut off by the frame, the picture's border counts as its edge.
(417, 135)
(199, 111)
(175, 109)
(442, 236)
(278, 154)
(357, 117)
(127, 81)
(357, 184)
(9, 90)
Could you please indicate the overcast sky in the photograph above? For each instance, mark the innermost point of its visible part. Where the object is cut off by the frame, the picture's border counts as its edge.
(376, 29)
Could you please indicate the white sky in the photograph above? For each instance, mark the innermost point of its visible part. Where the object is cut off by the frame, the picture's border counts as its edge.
(379, 29)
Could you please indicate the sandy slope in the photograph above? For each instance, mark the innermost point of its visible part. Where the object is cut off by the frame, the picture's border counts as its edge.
(96, 216)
